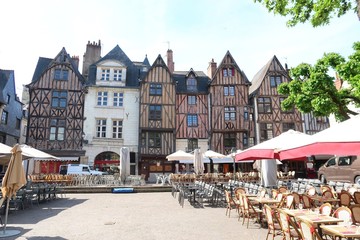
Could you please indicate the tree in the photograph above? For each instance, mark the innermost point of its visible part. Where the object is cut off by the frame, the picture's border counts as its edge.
(313, 90)
(318, 12)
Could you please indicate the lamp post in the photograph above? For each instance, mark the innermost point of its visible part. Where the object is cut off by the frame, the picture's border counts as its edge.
(233, 152)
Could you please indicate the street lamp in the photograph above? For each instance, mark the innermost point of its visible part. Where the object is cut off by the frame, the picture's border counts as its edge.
(233, 152)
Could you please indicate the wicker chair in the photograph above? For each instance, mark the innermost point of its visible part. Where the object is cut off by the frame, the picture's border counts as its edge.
(308, 231)
(345, 198)
(250, 211)
(274, 227)
(325, 209)
(289, 229)
(355, 213)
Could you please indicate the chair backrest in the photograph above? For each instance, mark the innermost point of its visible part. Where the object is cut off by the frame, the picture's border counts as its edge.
(308, 232)
(282, 189)
(240, 190)
(284, 223)
(307, 202)
(274, 193)
(327, 194)
(269, 216)
(297, 198)
(343, 213)
(325, 209)
(355, 213)
(357, 197)
(289, 201)
(311, 191)
(325, 188)
(345, 198)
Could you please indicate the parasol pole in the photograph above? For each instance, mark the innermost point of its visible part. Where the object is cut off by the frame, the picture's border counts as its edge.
(6, 213)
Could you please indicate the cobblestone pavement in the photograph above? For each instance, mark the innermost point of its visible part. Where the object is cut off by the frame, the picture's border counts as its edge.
(145, 216)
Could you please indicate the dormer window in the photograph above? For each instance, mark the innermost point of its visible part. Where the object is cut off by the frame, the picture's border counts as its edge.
(191, 84)
(105, 74)
(117, 74)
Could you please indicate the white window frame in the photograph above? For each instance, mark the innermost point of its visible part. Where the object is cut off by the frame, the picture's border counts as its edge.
(117, 76)
(105, 74)
(102, 98)
(101, 128)
(117, 127)
(118, 99)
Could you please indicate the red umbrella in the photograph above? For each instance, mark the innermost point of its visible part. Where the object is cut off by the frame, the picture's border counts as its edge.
(270, 148)
(340, 139)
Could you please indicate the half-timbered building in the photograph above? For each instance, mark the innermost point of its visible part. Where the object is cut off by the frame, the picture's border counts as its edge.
(56, 110)
(157, 120)
(192, 110)
(270, 119)
(112, 108)
(231, 114)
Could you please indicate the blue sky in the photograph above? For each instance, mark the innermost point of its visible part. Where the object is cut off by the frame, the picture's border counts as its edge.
(196, 31)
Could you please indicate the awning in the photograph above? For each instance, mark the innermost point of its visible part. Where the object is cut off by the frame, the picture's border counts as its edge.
(62, 159)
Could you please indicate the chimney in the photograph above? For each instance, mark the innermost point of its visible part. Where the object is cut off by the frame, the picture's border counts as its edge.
(92, 54)
(75, 60)
(211, 69)
(170, 62)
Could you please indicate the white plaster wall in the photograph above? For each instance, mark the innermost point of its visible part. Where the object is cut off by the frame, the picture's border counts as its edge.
(129, 113)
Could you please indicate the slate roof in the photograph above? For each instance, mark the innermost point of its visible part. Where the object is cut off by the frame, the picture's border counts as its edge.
(180, 78)
(44, 63)
(260, 75)
(135, 70)
(4, 78)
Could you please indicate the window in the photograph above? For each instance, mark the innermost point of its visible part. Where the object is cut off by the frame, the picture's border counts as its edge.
(331, 162)
(18, 123)
(105, 74)
(229, 140)
(229, 90)
(228, 72)
(192, 144)
(191, 84)
(57, 129)
(288, 126)
(275, 81)
(4, 117)
(344, 161)
(192, 120)
(154, 112)
(246, 116)
(24, 130)
(251, 142)
(8, 99)
(191, 100)
(245, 139)
(264, 105)
(117, 128)
(59, 99)
(117, 74)
(61, 74)
(102, 98)
(155, 89)
(230, 114)
(101, 128)
(266, 131)
(118, 100)
(284, 111)
(154, 139)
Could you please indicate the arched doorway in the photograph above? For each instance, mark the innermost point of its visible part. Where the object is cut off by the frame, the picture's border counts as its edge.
(107, 162)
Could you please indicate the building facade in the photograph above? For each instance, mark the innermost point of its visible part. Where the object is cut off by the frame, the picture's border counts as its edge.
(112, 107)
(56, 110)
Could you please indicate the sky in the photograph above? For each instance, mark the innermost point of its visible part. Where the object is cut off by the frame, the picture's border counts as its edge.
(196, 31)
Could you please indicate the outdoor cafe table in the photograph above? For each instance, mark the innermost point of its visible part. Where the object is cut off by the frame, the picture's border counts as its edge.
(264, 200)
(322, 199)
(318, 219)
(342, 231)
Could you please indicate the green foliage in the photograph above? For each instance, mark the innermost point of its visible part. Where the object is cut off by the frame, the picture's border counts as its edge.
(318, 12)
(313, 90)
